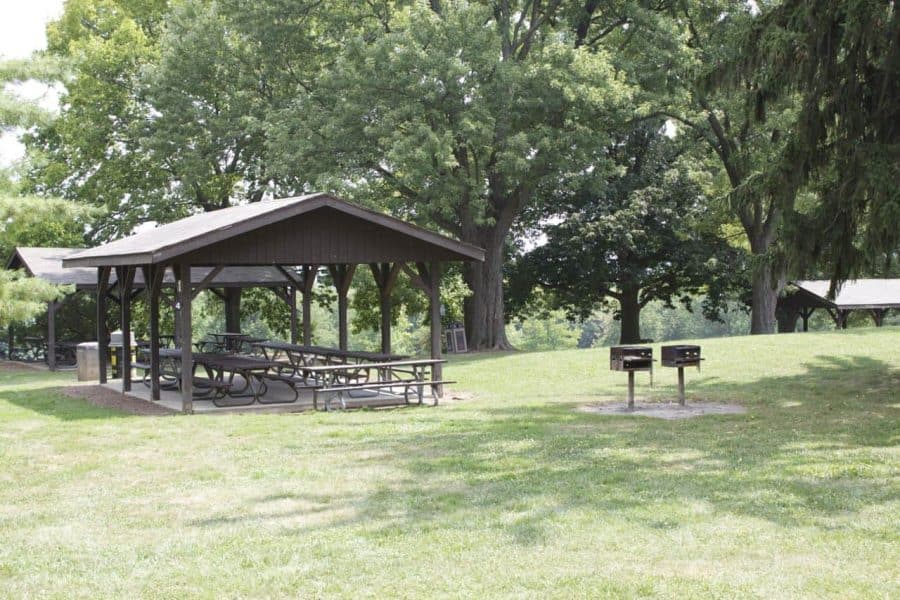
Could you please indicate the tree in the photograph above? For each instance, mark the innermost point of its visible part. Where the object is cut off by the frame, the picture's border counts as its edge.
(91, 151)
(842, 59)
(693, 43)
(457, 112)
(14, 112)
(34, 221)
(23, 298)
(637, 237)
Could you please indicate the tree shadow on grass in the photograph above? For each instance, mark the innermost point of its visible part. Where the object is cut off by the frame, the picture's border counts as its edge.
(798, 459)
(52, 401)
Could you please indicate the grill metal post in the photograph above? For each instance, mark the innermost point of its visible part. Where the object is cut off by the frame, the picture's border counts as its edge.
(679, 357)
(631, 359)
(630, 390)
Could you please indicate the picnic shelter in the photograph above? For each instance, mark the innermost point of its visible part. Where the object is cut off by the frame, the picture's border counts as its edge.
(298, 236)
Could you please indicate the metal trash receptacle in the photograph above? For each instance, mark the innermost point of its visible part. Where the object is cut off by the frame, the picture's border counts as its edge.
(88, 361)
(116, 343)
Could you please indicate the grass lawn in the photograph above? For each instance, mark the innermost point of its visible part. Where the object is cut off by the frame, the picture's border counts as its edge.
(508, 493)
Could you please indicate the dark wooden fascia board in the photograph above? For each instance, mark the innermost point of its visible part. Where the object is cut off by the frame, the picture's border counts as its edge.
(173, 251)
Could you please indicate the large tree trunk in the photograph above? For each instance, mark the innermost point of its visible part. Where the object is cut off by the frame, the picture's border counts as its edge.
(630, 315)
(766, 281)
(763, 302)
(233, 310)
(484, 311)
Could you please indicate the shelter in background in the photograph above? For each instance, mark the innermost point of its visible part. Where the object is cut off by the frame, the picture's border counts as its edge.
(876, 296)
(298, 236)
(47, 264)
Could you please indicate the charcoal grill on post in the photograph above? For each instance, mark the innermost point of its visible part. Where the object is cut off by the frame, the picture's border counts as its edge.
(631, 359)
(680, 357)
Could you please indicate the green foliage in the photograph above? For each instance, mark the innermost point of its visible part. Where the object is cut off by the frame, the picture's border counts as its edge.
(841, 59)
(640, 236)
(209, 97)
(455, 115)
(91, 152)
(23, 298)
(697, 39)
(15, 111)
(550, 331)
(36, 221)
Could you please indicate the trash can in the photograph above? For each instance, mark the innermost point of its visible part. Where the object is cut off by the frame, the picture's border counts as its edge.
(115, 352)
(88, 361)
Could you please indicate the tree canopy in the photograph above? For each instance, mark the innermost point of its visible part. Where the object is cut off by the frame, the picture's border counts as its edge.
(642, 235)
(482, 118)
(456, 112)
(841, 61)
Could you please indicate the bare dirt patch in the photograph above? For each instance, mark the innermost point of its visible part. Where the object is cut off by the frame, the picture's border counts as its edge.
(457, 396)
(663, 410)
(107, 398)
(14, 365)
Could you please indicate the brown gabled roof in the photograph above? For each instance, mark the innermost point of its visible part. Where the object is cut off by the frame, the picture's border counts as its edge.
(46, 264)
(167, 242)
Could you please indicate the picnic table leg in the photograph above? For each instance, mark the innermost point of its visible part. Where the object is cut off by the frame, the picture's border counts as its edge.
(419, 375)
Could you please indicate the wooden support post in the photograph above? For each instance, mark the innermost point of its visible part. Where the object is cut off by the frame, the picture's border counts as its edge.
(428, 279)
(176, 322)
(9, 342)
(343, 333)
(303, 282)
(630, 390)
(681, 400)
(125, 279)
(309, 280)
(153, 282)
(806, 313)
(102, 329)
(434, 311)
(183, 316)
(292, 301)
(385, 275)
(51, 335)
(878, 316)
(342, 276)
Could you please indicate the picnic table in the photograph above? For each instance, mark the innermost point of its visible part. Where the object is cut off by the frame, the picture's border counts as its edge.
(340, 379)
(65, 353)
(298, 355)
(232, 343)
(221, 370)
(398, 378)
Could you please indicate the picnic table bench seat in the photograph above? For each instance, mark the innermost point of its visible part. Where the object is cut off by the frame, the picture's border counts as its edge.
(339, 390)
(168, 381)
(294, 382)
(205, 387)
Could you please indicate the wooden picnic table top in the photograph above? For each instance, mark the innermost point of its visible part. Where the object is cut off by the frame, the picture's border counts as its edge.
(226, 361)
(238, 363)
(325, 351)
(417, 362)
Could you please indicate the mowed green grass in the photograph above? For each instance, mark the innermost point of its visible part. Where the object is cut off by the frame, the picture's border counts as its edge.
(509, 492)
